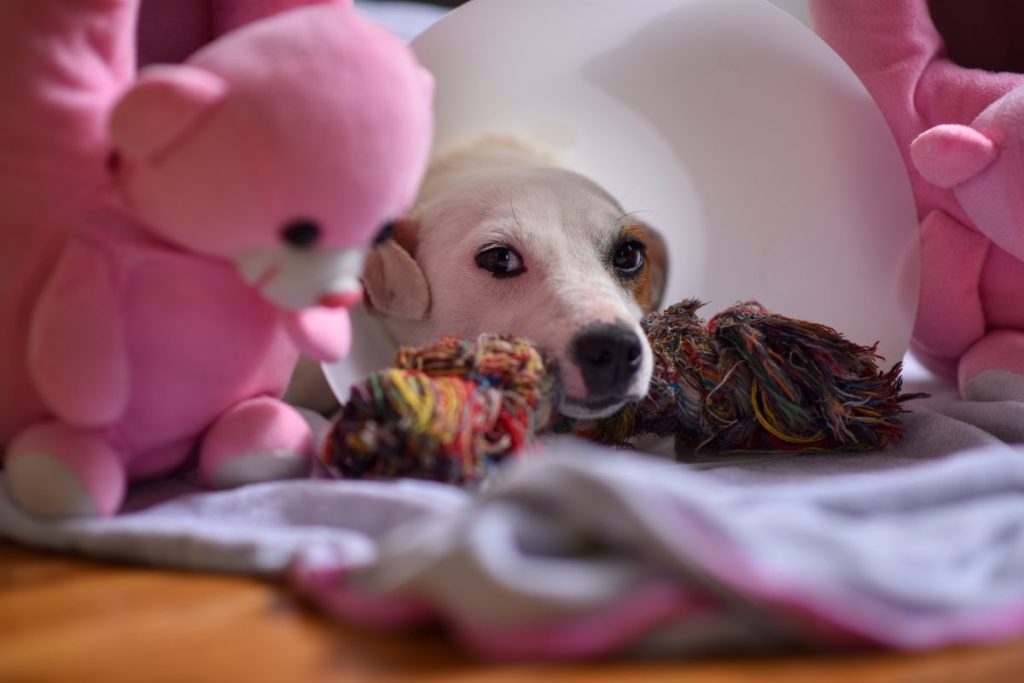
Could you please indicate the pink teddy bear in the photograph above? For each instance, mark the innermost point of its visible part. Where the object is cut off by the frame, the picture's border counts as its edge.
(962, 134)
(158, 308)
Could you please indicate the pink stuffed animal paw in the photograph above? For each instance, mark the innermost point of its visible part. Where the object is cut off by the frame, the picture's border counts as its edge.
(53, 470)
(983, 164)
(261, 439)
(993, 368)
(950, 154)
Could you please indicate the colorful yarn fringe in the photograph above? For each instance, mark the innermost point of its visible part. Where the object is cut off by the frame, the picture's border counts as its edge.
(750, 379)
(448, 412)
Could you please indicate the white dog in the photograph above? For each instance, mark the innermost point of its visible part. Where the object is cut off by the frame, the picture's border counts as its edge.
(501, 240)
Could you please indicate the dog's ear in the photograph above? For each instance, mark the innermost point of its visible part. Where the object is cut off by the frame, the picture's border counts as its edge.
(656, 256)
(393, 283)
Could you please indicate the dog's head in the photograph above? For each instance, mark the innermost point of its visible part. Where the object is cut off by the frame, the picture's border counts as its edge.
(535, 251)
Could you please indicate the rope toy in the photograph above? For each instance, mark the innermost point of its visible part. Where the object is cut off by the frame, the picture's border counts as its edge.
(450, 412)
(747, 379)
(752, 380)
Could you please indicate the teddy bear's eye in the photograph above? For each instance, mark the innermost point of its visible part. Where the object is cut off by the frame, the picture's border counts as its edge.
(301, 234)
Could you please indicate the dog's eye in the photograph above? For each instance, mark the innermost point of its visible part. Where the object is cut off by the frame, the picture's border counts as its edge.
(501, 261)
(629, 257)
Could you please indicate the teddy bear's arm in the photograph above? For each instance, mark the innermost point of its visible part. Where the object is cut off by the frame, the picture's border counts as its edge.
(890, 45)
(77, 355)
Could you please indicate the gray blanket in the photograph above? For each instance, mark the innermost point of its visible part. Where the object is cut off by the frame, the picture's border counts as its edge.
(588, 552)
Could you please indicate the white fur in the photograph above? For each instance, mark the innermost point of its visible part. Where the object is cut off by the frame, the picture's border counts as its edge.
(562, 224)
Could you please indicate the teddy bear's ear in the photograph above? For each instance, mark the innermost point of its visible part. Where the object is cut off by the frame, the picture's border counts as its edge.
(164, 103)
(950, 154)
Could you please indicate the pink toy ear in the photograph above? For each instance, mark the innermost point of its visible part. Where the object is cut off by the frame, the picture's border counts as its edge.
(162, 105)
(950, 154)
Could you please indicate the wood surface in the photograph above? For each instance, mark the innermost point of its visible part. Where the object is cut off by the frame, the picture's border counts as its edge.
(64, 619)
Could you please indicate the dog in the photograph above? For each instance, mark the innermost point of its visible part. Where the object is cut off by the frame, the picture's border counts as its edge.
(503, 240)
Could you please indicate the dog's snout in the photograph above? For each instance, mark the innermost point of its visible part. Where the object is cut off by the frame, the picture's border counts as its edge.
(608, 356)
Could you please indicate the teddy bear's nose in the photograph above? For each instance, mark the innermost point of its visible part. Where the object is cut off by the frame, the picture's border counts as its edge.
(301, 234)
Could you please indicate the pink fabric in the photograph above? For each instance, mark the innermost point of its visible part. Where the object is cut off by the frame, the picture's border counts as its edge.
(629, 619)
(140, 306)
(960, 131)
(171, 30)
(56, 93)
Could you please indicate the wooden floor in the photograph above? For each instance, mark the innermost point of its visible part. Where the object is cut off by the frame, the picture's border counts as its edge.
(69, 620)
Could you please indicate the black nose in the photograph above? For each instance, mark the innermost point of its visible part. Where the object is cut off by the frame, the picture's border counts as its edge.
(608, 356)
(301, 234)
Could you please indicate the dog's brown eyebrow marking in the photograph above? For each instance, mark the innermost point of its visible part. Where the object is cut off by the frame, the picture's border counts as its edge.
(638, 285)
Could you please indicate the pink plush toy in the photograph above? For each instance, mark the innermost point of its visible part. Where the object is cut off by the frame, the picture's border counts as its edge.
(170, 31)
(961, 130)
(158, 308)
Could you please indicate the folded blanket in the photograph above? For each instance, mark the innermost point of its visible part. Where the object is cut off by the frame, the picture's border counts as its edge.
(588, 552)
(260, 529)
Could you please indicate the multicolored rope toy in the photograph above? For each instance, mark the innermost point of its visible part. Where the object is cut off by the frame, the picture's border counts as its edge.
(451, 411)
(748, 379)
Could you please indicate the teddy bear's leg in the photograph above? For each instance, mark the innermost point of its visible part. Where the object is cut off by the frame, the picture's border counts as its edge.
(942, 366)
(260, 439)
(56, 470)
(993, 368)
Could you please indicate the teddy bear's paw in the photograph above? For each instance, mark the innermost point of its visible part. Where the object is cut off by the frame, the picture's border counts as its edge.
(53, 471)
(993, 368)
(257, 467)
(261, 439)
(995, 385)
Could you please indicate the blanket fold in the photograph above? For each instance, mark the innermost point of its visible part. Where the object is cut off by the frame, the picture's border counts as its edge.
(603, 552)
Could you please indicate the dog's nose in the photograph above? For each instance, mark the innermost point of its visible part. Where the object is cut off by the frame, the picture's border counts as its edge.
(609, 356)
